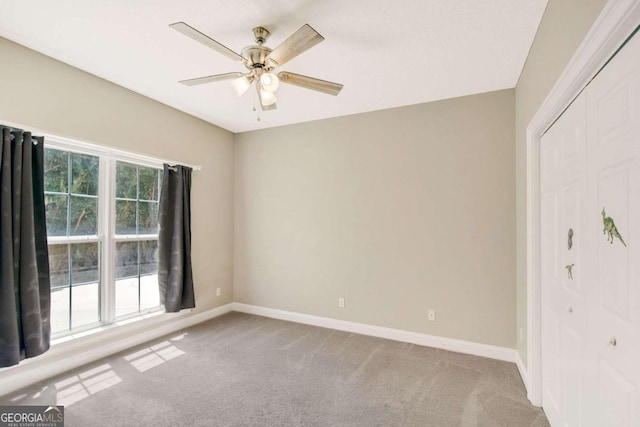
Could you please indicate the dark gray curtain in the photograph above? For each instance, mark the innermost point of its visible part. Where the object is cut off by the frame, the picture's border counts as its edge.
(25, 328)
(174, 240)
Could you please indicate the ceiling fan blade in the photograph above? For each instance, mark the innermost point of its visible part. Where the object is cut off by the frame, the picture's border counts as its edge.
(262, 106)
(310, 83)
(205, 40)
(303, 39)
(210, 79)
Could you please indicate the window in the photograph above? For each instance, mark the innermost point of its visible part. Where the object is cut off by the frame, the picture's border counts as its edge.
(71, 200)
(102, 227)
(137, 196)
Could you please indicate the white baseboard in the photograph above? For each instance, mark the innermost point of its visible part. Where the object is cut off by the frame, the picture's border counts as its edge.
(459, 346)
(72, 354)
(523, 371)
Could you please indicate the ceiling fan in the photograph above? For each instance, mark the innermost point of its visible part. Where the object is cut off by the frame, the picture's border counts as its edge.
(261, 62)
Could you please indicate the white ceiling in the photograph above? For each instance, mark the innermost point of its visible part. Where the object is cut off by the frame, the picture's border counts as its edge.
(386, 53)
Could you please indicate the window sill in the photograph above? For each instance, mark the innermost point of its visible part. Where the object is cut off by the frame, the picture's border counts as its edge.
(95, 330)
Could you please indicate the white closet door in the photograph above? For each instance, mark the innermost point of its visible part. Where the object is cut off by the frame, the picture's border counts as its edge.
(564, 292)
(613, 105)
(590, 194)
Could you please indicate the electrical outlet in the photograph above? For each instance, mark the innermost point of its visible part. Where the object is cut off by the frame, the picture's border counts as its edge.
(431, 315)
(340, 302)
(218, 292)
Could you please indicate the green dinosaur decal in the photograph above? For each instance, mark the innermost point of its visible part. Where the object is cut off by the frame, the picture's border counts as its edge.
(610, 228)
(569, 270)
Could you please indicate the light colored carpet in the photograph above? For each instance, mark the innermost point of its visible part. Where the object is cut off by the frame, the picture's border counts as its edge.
(244, 370)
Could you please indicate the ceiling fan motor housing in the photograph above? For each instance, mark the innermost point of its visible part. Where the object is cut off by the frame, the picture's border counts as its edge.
(255, 56)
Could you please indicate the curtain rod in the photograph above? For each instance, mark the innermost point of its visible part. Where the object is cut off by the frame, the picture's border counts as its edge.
(109, 151)
(34, 138)
(175, 167)
(13, 128)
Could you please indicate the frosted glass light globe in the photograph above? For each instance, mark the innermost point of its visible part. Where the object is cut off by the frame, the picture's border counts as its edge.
(240, 85)
(269, 82)
(268, 98)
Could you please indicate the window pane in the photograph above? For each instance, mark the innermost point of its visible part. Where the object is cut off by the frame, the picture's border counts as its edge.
(84, 174)
(148, 217)
(126, 259)
(149, 292)
(60, 309)
(148, 184)
(84, 218)
(127, 278)
(85, 297)
(85, 304)
(125, 217)
(148, 256)
(56, 170)
(84, 263)
(126, 181)
(126, 296)
(59, 265)
(56, 214)
(59, 270)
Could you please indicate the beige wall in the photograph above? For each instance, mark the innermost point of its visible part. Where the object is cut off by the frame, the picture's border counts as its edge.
(39, 92)
(562, 29)
(397, 211)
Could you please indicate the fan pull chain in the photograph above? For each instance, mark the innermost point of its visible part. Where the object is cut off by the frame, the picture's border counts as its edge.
(254, 106)
(254, 101)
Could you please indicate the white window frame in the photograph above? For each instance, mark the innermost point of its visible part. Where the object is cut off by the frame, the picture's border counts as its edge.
(106, 237)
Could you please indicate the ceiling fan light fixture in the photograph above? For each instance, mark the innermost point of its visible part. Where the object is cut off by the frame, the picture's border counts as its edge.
(261, 61)
(269, 82)
(268, 98)
(241, 85)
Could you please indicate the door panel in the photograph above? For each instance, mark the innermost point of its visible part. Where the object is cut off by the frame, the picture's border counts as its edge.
(571, 200)
(616, 395)
(613, 255)
(614, 108)
(552, 372)
(573, 373)
(549, 227)
(563, 153)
